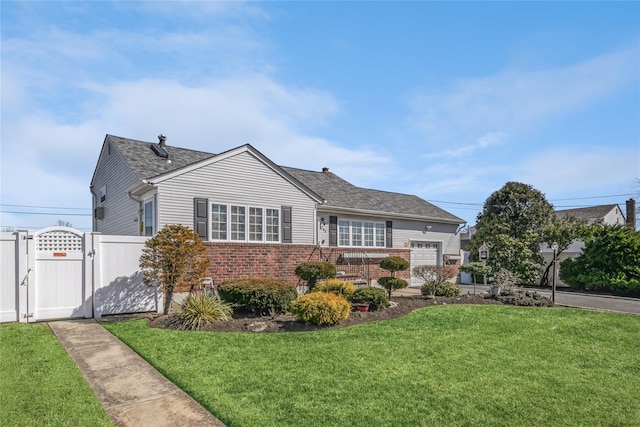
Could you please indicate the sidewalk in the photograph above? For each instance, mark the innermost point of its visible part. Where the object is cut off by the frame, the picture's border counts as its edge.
(131, 391)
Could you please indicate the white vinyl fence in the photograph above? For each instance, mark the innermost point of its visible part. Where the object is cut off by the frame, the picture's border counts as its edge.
(62, 273)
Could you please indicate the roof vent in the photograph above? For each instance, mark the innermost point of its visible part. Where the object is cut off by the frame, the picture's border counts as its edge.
(325, 169)
(159, 148)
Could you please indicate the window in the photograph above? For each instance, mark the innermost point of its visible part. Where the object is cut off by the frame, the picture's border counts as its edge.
(255, 224)
(219, 222)
(103, 194)
(380, 232)
(361, 233)
(273, 225)
(356, 233)
(343, 231)
(148, 218)
(238, 219)
(368, 234)
(245, 223)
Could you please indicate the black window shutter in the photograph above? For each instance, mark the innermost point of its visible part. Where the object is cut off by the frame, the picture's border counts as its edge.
(286, 224)
(201, 217)
(333, 231)
(389, 234)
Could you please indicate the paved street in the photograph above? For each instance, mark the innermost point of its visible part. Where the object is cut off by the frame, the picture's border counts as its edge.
(570, 299)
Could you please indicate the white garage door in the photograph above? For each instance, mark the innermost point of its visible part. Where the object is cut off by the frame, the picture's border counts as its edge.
(423, 253)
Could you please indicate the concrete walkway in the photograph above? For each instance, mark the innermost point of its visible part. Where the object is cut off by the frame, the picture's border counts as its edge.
(569, 299)
(131, 391)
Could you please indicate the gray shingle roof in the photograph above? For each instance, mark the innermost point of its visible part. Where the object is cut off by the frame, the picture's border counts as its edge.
(341, 194)
(146, 164)
(336, 191)
(590, 213)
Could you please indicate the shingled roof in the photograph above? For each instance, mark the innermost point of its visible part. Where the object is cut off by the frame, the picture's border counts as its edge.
(146, 164)
(588, 213)
(337, 192)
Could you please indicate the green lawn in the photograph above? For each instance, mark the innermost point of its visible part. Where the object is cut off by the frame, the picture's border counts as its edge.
(39, 383)
(446, 365)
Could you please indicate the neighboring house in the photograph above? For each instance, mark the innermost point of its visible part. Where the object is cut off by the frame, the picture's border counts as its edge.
(261, 219)
(606, 214)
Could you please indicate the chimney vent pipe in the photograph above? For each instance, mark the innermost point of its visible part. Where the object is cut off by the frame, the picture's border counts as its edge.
(163, 138)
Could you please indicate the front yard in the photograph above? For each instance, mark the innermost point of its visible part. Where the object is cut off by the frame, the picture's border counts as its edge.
(39, 383)
(446, 365)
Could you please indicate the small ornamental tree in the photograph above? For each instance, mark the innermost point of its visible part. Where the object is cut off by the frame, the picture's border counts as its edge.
(475, 268)
(175, 257)
(434, 275)
(312, 271)
(393, 264)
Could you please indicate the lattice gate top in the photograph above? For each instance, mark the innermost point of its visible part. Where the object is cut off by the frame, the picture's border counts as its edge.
(59, 240)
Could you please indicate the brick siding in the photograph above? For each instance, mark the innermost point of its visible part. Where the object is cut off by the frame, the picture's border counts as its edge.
(244, 260)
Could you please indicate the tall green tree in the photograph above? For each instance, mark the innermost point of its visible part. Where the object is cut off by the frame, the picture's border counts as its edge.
(609, 261)
(513, 223)
(174, 258)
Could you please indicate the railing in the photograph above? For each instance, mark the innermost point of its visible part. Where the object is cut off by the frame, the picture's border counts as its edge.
(351, 264)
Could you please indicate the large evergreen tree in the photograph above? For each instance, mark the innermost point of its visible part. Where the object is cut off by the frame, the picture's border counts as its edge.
(513, 223)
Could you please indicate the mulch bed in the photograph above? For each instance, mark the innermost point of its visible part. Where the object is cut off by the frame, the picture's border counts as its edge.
(246, 322)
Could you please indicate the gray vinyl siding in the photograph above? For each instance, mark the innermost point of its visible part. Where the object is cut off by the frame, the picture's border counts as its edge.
(240, 179)
(120, 212)
(404, 231)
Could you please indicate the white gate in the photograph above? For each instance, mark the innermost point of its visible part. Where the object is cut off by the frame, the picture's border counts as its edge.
(62, 273)
(59, 273)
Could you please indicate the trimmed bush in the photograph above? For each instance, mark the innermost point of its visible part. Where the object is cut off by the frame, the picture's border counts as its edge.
(321, 308)
(261, 296)
(375, 297)
(312, 271)
(522, 298)
(393, 264)
(201, 309)
(335, 286)
(391, 284)
(446, 289)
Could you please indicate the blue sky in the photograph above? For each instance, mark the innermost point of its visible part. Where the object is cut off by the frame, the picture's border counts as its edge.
(445, 100)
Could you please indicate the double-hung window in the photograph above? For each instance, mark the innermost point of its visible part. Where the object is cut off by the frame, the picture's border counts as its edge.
(219, 222)
(255, 224)
(148, 218)
(272, 222)
(238, 222)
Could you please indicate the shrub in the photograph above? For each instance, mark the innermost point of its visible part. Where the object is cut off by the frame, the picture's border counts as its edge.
(320, 308)
(201, 309)
(312, 271)
(505, 278)
(391, 284)
(445, 289)
(338, 287)
(375, 297)
(393, 264)
(260, 296)
(434, 275)
(522, 298)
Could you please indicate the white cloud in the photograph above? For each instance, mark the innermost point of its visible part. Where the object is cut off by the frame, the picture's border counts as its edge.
(512, 101)
(576, 170)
